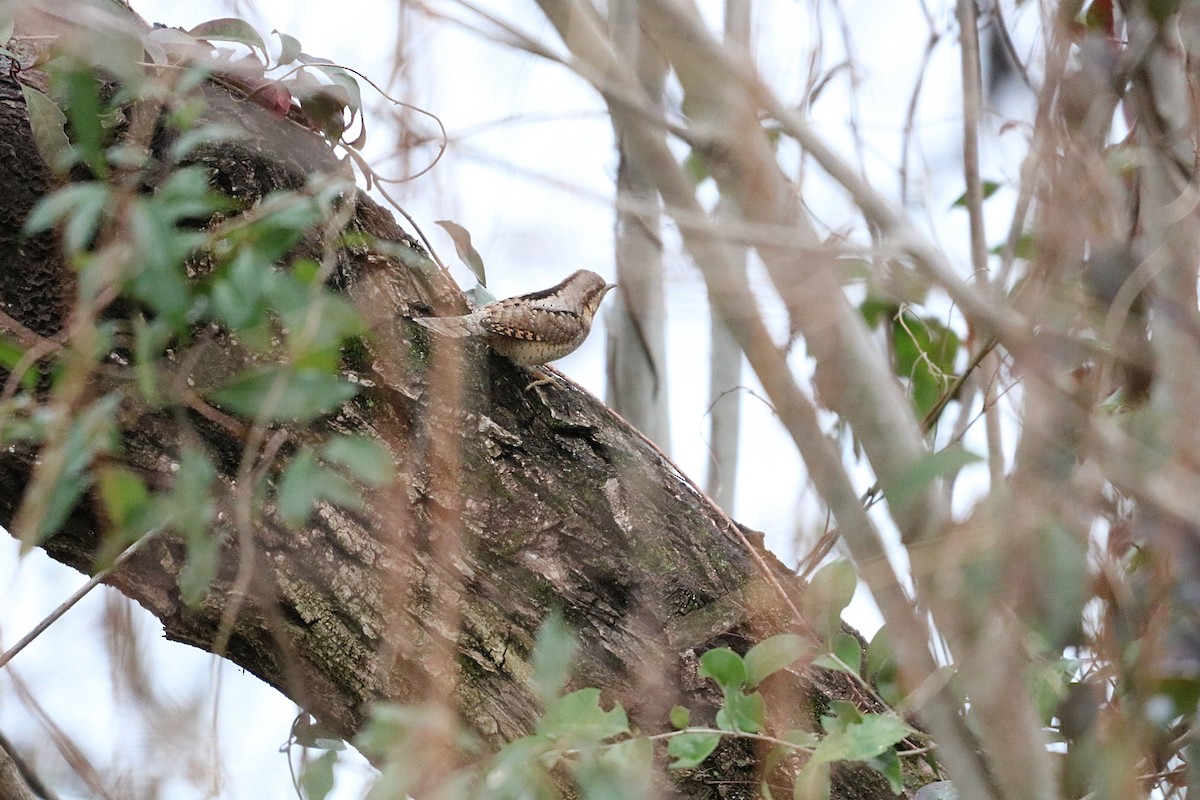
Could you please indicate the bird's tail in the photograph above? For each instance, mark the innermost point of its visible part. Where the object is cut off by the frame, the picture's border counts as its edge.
(456, 327)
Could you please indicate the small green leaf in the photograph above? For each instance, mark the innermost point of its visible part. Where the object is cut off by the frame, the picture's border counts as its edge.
(230, 29)
(742, 712)
(553, 653)
(345, 82)
(289, 48)
(367, 459)
(279, 393)
(78, 85)
(578, 718)
(47, 123)
(316, 781)
(804, 739)
(724, 666)
(12, 353)
(305, 482)
(881, 656)
(72, 202)
(518, 772)
(92, 432)
(842, 713)
(190, 499)
(202, 135)
(924, 471)
(122, 493)
(695, 166)
(827, 595)
(150, 339)
(847, 654)
(690, 749)
(466, 251)
(6, 24)
(813, 782)
(623, 770)
(773, 654)
(989, 189)
(882, 668)
(680, 717)
(203, 556)
(887, 764)
(863, 740)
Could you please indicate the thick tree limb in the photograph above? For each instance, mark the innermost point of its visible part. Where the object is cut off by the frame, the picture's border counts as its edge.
(509, 505)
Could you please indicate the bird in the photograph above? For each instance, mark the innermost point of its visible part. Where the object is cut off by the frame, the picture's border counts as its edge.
(532, 329)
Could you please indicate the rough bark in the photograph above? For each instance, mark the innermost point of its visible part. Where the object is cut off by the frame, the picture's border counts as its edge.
(559, 505)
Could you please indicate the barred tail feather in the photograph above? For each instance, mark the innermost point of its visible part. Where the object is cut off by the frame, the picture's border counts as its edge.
(456, 327)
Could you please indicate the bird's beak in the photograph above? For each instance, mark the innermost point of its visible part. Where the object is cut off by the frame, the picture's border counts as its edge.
(608, 287)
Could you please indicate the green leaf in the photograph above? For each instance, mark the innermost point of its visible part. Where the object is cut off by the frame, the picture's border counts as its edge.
(875, 310)
(150, 339)
(742, 712)
(813, 782)
(989, 189)
(881, 656)
(316, 781)
(191, 498)
(367, 459)
(804, 739)
(189, 509)
(91, 433)
(888, 765)
(863, 740)
(193, 138)
(305, 482)
(578, 719)
(690, 749)
(6, 24)
(827, 595)
(122, 494)
(230, 29)
(339, 76)
(553, 653)
(466, 251)
(724, 666)
(680, 717)
(289, 48)
(882, 668)
(846, 655)
(280, 393)
(924, 471)
(203, 557)
(12, 353)
(695, 166)
(79, 87)
(618, 772)
(842, 713)
(925, 352)
(773, 654)
(517, 772)
(47, 123)
(81, 205)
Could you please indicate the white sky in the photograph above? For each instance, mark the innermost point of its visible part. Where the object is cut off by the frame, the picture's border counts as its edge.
(530, 173)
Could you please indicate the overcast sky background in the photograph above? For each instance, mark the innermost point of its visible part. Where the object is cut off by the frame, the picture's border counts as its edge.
(530, 173)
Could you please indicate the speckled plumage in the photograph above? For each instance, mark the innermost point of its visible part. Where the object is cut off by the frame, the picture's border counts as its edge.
(533, 328)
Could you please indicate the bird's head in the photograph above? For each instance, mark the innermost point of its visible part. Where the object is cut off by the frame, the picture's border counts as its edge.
(591, 288)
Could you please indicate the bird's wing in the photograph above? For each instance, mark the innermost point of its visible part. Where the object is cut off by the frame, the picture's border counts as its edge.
(516, 318)
(456, 327)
